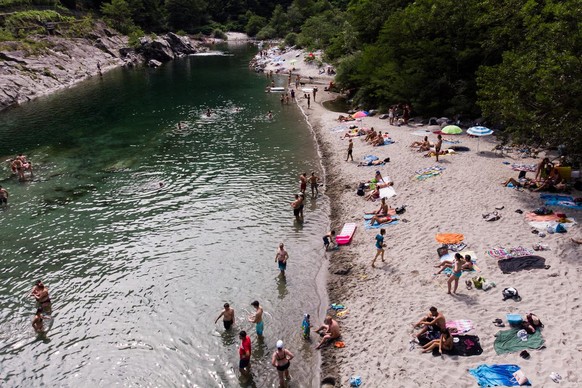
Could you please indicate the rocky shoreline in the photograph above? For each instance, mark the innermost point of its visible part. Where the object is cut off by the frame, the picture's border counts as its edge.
(64, 61)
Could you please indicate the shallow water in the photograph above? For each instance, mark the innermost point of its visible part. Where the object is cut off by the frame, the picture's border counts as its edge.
(138, 272)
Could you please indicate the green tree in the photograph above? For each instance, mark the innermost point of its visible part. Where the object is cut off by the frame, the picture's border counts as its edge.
(279, 21)
(118, 15)
(187, 15)
(255, 24)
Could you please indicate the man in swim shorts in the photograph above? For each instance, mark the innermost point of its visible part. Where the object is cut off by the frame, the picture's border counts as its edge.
(244, 352)
(434, 322)
(437, 146)
(227, 317)
(3, 197)
(328, 239)
(281, 257)
(257, 318)
(350, 150)
(41, 294)
(296, 205)
(314, 185)
(379, 246)
(330, 330)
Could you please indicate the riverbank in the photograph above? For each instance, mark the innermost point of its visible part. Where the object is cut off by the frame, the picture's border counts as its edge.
(383, 302)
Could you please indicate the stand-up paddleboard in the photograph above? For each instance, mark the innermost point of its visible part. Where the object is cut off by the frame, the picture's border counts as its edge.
(276, 89)
(346, 234)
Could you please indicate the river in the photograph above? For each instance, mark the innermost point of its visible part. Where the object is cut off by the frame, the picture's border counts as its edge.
(143, 229)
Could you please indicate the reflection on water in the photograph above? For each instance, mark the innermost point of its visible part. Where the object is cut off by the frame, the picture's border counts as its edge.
(143, 229)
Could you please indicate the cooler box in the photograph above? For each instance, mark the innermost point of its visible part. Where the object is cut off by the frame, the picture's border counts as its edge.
(514, 319)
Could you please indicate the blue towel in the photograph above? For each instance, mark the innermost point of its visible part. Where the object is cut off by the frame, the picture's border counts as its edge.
(370, 158)
(560, 200)
(495, 375)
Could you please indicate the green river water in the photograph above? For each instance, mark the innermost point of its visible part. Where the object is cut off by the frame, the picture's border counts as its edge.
(137, 272)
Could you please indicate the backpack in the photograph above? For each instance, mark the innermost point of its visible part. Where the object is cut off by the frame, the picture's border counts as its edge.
(533, 320)
(401, 209)
(510, 293)
(360, 190)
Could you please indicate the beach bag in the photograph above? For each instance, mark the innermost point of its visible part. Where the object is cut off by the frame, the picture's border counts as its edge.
(533, 320)
(401, 209)
(510, 293)
(560, 228)
(543, 211)
(478, 282)
(360, 190)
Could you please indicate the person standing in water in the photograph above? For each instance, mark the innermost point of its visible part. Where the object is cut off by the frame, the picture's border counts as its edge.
(314, 185)
(244, 352)
(37, 321)
(227, 317)
(257, 318)
(282, 360)
(41, 294)
(303, 183)
(281, 257)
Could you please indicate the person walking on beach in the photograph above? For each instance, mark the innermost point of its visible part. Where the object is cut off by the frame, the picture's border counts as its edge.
(3, 198)
(314, 93)
(379, 246)
(303, 183)
(329, 239)
(314, 185)
(257, 318)
(227, 317)
(350, 150)
(308, 101)
(456, 275)
(293, 94)
(244, 352)
(281, 257)
(282, 360)
(391, 115)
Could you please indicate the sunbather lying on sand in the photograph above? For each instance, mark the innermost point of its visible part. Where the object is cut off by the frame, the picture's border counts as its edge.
(379, 219)
(374, 162)
(345, 118)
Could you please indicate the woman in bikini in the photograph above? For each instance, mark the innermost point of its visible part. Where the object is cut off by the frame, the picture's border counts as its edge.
(445, 342)
(456, 275)
(281, 360)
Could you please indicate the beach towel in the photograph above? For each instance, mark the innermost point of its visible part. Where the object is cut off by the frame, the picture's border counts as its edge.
(460, 326)
(507, 253)
(561, 200)
(447, 141)
(507, 341)
(496, 375)
(449, 238)
(456, 247)
(387, 192)
(388, 141)
(370, 158)
(421, 132)
(450, 257)
(465, 346)
(460, 148)
(543, 225)
(339, 128)
(515, 264)
(535, 217)
(425, 173)
(524, 167)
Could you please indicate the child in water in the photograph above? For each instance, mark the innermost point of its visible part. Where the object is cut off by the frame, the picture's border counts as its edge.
(306, 326)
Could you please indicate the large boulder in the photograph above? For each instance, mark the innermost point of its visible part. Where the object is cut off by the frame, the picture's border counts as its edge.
(158, 49)
(181, 45)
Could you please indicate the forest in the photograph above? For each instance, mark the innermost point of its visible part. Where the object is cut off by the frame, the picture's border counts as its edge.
(517, 64)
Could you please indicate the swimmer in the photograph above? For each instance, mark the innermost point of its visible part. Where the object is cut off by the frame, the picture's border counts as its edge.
(3, 198)
(227, 317)
(270, 115)
(37, 321)
(41, 294)
(208, 112)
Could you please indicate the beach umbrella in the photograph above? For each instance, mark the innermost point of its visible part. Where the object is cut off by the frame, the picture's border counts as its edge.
(479, 131)
(451, 130)
(360, 114)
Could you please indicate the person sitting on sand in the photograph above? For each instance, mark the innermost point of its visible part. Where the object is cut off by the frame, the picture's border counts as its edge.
(423, 146)
(433, 323)
(370, 136)
(517, 184)
(543, 169)
(445, 342)
(374, 194)
(553, 182)
(330, 331)
(383, 209)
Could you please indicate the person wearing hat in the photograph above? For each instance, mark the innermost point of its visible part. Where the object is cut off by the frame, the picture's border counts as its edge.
(281, 360)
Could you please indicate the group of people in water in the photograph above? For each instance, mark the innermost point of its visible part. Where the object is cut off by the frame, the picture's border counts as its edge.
(19, 165)
(281, 359)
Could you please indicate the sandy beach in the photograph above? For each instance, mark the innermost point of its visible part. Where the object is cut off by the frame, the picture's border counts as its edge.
(383, 302)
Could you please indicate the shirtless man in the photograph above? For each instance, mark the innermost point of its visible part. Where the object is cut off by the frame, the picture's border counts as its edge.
(41, 294)
(314, 186)
(227, 317)
(303, 182)
(257, 318)
(350, 150)
(434, 321)
(330, 330)
(18, 168)
(296, 205)
(3, 197)
(37, 321)
(383, 209)
(281, 257)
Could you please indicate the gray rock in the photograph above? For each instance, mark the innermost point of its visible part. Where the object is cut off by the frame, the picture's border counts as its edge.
(154, 63)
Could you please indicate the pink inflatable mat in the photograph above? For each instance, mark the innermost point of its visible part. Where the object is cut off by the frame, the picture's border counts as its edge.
(346, 234)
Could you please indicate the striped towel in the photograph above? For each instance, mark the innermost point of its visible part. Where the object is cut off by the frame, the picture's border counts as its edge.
(460, 326)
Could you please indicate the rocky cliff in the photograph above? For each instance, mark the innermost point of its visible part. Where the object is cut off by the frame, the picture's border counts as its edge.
(62, 62)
